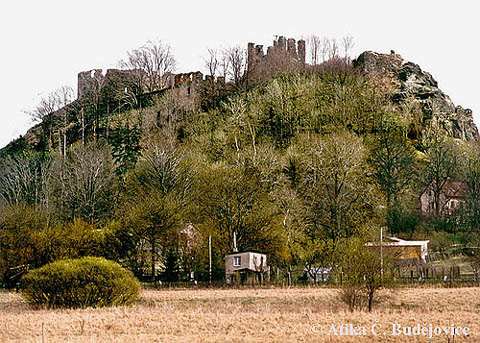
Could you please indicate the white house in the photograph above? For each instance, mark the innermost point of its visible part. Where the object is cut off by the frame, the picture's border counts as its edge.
(248, 266)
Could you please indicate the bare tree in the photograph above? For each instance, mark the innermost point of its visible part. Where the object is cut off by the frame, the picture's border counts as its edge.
(362, 273)
(65, 96)
(212, 62)
(333, 49)
(24, 180)
(224, 65)
(51, 112)
(335, 187)
(442, 166)
(91, 103)
(152, 62)
(325, 49)
(236, 57)
(229, 63)
(172, 108)
(347, 46)
(45, 107)
(84, 183)
(315, 45)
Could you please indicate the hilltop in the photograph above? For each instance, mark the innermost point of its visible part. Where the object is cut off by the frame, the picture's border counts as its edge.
(415, 88)
(103, 94)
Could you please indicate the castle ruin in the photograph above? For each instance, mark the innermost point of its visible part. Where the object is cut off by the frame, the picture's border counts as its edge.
(93, 81)
(284, 55)
(122, 81)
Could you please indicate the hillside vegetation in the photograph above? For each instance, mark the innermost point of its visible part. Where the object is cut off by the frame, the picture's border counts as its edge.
(295, 165)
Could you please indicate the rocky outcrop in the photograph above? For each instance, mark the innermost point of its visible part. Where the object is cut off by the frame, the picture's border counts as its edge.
(416, 88)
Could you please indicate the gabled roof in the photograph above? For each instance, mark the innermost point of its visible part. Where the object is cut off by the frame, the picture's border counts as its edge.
(402, 242)
(452, 189)
(245, 252)
(398, 242)
(455, 189)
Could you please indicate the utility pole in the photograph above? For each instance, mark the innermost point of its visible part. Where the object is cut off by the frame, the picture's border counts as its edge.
(210, 258)
(235, 241)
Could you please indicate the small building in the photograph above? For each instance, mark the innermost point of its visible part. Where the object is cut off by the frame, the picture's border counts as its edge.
(402, 250)
(246, 268)
(453, 194)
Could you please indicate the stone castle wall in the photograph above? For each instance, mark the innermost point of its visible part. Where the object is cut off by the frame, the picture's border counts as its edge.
(283, 55)
(121, 80)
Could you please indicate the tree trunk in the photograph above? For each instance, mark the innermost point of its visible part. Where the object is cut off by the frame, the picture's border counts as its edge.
(437, 205)
(95, 128)
(60, 144)
(64, 134)
(370, 300)
(152, 243)
(289, 276)
(108, 120)
(83, 125)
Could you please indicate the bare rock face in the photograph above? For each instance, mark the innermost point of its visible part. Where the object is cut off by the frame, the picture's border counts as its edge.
(413, 86)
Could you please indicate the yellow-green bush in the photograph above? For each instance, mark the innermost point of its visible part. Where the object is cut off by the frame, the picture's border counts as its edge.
(83, 282)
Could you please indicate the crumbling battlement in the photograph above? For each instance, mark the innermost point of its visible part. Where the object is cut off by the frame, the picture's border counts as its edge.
(285, 54)
(86, 80)
(118, 80)
(96, 79)
(188, 83)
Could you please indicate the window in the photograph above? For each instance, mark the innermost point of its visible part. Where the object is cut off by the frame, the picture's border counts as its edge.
(237, 260)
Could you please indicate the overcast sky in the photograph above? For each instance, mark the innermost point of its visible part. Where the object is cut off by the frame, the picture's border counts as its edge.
(44, 44)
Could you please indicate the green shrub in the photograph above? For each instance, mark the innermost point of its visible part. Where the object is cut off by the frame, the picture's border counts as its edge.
(84, 282)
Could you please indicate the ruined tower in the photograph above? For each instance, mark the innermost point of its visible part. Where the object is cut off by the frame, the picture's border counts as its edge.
(114, 80)
(88, 80)
(283, 55)
(301, 51)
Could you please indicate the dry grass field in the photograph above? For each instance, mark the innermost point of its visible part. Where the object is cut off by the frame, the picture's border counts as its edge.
(246, 315)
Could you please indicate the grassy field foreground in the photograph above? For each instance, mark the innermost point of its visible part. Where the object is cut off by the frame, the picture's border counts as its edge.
(269, 315)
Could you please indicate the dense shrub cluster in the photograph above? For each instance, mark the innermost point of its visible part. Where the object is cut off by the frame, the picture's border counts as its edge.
(29, 238)
(84, 282)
